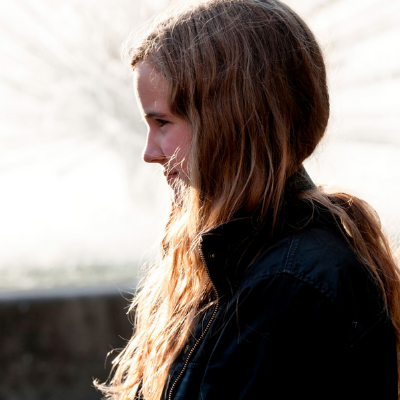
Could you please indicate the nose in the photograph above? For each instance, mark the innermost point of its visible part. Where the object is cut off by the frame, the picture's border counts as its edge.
(152, 152)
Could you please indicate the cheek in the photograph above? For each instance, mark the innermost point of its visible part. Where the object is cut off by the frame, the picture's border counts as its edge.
(177, 143)
(172, 148)
(183, 154)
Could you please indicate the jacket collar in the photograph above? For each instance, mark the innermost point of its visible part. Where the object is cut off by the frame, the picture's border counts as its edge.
(230, 248)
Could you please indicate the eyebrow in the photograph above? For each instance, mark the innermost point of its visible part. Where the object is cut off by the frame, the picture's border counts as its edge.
(155, 115)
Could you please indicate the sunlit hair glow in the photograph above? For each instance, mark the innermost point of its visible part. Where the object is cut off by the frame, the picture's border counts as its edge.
(249, 77)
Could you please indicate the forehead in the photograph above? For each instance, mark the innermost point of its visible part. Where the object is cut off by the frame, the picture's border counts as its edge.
(150, 86)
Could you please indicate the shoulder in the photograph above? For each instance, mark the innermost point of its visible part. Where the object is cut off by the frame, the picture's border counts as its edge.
(309, 254)
(321, 260)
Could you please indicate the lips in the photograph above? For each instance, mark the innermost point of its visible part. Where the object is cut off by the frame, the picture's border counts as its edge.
(170, 176)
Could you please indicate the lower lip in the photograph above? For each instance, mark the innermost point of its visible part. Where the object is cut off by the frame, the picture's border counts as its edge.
(171, 177)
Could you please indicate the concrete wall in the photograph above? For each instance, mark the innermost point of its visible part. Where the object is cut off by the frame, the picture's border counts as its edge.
(53, 343)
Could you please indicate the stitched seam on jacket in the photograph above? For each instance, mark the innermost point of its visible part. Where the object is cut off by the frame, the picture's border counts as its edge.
(305, 279)
(301, 278)
(291, 253)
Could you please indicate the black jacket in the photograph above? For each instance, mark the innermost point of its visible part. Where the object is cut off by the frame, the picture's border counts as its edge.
(304, 321)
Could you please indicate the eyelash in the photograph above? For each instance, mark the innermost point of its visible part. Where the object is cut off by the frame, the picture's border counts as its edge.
(161, 122)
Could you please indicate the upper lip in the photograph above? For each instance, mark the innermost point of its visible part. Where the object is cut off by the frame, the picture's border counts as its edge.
(168, 173)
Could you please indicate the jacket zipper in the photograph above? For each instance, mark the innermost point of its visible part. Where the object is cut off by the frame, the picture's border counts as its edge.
(205, 330)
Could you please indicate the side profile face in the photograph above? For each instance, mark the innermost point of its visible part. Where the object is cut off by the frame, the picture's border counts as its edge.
(168, 136)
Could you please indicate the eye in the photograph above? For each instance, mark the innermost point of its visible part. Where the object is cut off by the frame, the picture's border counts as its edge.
(161, 122)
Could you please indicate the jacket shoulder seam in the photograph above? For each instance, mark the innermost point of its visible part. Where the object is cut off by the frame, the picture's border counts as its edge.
(311, 282)
(305, 280)
(294, 244)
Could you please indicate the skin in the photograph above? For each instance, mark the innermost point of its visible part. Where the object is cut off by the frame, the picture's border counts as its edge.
(168, 136)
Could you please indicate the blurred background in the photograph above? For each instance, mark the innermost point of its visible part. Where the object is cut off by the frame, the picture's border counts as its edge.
(80, 211)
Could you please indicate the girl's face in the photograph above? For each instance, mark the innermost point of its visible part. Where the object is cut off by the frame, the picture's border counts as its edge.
(168, 136)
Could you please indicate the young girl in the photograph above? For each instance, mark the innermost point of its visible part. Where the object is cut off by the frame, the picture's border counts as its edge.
(266, 287)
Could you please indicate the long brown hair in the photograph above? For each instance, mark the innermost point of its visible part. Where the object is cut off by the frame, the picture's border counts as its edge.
(249, 77)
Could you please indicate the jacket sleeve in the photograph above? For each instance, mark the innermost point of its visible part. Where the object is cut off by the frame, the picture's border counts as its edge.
(283, 339)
